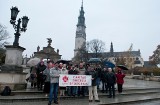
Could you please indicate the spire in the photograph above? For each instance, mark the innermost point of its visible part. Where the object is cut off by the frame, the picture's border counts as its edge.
(81, 18)
(111, 50)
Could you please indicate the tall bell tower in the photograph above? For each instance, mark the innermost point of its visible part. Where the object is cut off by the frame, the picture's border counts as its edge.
(80, 38)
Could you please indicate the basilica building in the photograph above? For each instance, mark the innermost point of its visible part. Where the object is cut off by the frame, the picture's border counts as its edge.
(132, 56)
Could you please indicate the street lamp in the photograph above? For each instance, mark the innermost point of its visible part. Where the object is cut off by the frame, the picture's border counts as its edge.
(17, 27)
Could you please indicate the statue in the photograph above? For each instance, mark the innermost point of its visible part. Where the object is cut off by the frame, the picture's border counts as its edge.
(49, 41)
(38, 48)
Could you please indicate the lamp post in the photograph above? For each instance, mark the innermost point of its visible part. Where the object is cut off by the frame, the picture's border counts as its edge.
(13, 61)
(17, 27)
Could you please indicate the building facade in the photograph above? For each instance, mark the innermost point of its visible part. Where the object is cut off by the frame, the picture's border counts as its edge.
(130, 58)
(48, 52)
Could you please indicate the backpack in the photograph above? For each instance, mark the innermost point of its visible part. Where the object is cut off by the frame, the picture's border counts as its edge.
(6, 91)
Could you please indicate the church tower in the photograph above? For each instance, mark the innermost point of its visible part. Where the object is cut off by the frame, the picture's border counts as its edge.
(111, 50)
(80, 38)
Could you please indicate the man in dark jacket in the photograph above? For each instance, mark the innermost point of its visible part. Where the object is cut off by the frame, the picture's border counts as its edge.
(93, 88)
(40, 68)
(98, 69)
(104, 80)
(111, 80)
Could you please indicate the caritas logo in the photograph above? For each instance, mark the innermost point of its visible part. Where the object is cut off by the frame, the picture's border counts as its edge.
(65, 79)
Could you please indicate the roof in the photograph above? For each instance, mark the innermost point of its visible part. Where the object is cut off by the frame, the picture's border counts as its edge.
(149, 64)
(117, 54)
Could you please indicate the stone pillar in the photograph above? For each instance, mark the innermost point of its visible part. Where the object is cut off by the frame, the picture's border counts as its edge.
(14, 55)
(152, 75)
(25, 60)
(11, 73)
(132, 74)
(142, 76)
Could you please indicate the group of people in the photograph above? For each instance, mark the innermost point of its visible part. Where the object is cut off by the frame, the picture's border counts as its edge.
(48, 75)
(110, 78)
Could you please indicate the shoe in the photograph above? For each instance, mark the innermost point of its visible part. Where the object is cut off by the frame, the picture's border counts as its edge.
(90, 100)
(97, 100)
(109, 96)
(56, 102)
(83, 95)
(113, 96)
(49, 103)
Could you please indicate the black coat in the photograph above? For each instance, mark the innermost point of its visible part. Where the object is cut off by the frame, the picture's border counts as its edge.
(40, 69)
(99, 70)
(104, 76)
(94, 75)
(73, 72)
(111, 78)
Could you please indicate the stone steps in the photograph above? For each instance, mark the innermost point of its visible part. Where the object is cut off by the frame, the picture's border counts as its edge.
(118, 100)
(134, 99)
(39, 96)
(35, 91)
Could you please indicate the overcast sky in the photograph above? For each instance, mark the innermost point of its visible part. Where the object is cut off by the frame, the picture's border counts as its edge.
(121, 21)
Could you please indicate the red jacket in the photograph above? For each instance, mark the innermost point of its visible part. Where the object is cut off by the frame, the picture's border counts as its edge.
(120, 77)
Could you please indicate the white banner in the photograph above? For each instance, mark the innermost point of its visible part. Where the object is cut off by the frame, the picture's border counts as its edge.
(75, 80)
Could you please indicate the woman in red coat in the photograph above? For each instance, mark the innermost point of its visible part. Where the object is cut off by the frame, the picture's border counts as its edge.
(120, 79)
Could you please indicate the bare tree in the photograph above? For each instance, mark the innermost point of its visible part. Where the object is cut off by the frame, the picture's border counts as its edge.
(92, 48)
(4, 35)
(82, 54)
(97, 47)
(155, 58)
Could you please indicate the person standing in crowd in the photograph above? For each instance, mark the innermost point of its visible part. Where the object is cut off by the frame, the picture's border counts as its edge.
(86, 66)
(98, 70)
(104, 81)
(40, 68)
(81, 71)
(120, 80)
(33, 77)
(46, 72)
(93, 87)
(60, 66)
(54, 84)
(63, 88)
(111, 80)
(72, 90)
